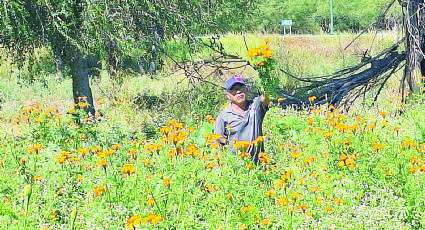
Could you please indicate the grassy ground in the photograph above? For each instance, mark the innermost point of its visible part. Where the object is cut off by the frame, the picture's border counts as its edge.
(321, 169)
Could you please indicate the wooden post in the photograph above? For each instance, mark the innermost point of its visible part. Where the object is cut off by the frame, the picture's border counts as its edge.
(414, 41)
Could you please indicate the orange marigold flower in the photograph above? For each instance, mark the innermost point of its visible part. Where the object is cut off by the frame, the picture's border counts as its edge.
(270, 193)
(247, 208)
(377, 146)
(312, 98)
(83, 151)
(229, 196)
(102, 163)
(264, 158)
(60, 159)
(296, 195)
(267, 54)
(96, 149)
(243, 227)
(265, 222)
(128, 168)
(98, 192)
(133, 222)
(315, 189)
(242, 144)
(150, 202)
(167, 182)
(282, 201)
(338, 201)
(328, 135)
(37, 177)
(295, 155)
(115, 146)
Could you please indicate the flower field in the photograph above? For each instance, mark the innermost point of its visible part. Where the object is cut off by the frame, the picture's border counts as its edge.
(322, 169)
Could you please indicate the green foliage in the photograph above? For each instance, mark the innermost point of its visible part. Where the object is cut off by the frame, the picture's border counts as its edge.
(115, 31)
(314, 16)
(36, 67)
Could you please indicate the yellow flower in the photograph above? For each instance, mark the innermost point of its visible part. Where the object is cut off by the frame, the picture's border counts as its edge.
(296, 195)
(264, 47)
(150, 202)
(60, 159)
(295, 155)
(242, 144)
(247, 208)
(83, 151)
(115, 146)
(377, 146)
(279, 184)
(264, 158)
(265, 222)
(128, 168)
(281, 201)
(267, 54)
(243, 227)
(244, 155)
(315, 189)
(328, 135)
(312, 98)
(96, 149)
(37, 177)
(270, 193)
(133, 221)
(153, 218)
(98, 192)
(229, 196)
(338, 201)
(102, 163)
(167, 182)
(266, 40)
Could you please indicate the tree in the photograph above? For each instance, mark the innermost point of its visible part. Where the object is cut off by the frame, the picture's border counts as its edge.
(83, 32)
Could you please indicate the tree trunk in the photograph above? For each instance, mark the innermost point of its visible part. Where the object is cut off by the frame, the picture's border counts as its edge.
(422, 36)
(413, 44)
(80, 70)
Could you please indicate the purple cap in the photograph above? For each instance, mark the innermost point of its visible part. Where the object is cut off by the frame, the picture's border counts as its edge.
(233, 80)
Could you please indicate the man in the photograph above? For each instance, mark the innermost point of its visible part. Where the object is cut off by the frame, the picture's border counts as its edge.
(242, 120)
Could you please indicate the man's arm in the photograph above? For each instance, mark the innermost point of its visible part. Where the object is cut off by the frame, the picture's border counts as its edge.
(265, 100)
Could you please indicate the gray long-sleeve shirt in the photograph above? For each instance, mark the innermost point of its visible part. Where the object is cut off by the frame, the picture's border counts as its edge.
(233, 126)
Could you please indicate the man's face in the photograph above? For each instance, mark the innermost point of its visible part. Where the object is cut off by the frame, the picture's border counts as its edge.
(237, 94)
